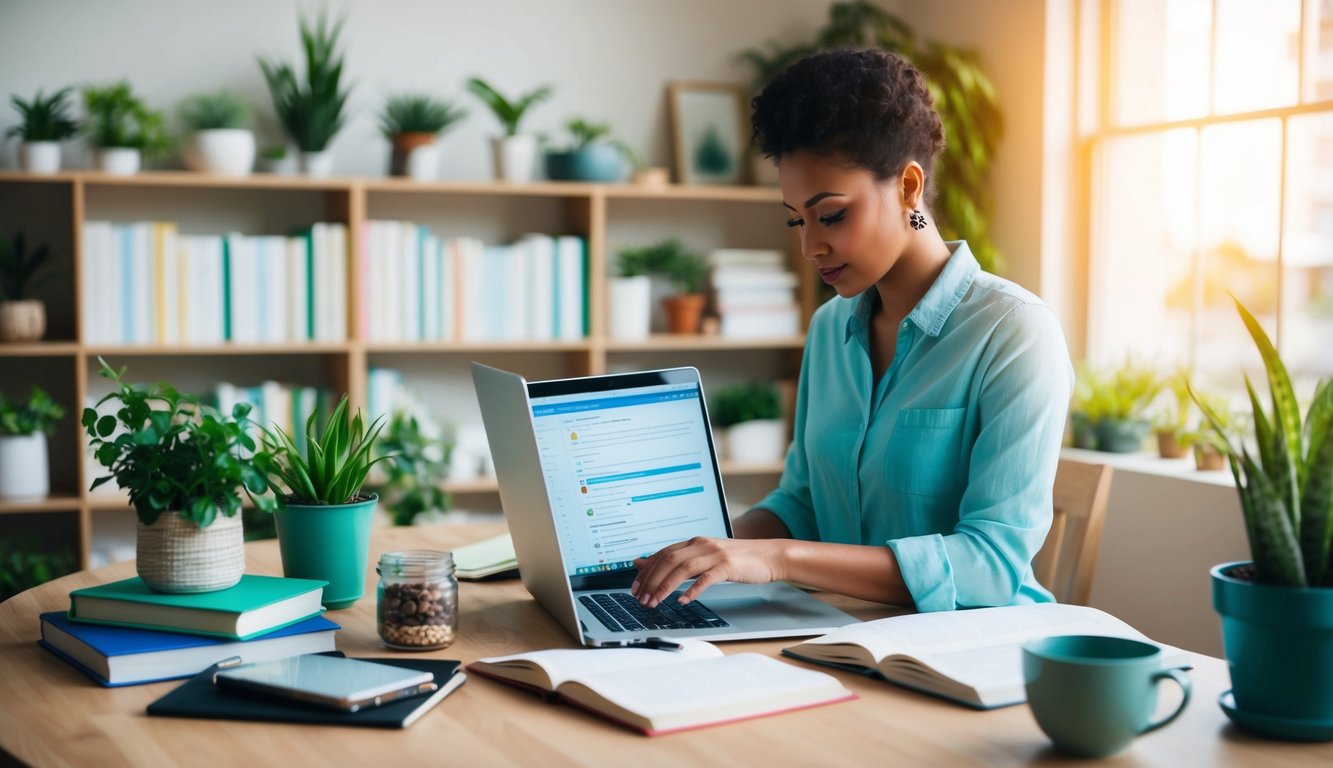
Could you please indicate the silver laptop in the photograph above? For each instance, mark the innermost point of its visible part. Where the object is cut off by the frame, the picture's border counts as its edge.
(597, 471)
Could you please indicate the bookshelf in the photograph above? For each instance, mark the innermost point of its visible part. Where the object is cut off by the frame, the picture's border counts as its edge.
(53, 209)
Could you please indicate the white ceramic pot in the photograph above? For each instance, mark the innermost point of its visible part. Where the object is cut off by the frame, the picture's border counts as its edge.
(22, 321)
(757, 442)
(515, 157)
(23, 467)
(175, 555)
(423, 162)
(40, 156)
(223, 151)
(119, 161)
(629, 307)
(317, 165)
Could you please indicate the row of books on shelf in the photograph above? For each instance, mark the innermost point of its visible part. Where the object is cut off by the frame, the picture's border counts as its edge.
(417, 286)
(148, 283)
(754, 293)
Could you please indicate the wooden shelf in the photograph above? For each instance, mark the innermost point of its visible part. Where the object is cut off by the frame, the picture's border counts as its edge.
(48, 504)
(302, 348)
(40, 349)
(659, 342)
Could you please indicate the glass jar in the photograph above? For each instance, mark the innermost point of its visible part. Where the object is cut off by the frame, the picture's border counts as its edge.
(417, 600)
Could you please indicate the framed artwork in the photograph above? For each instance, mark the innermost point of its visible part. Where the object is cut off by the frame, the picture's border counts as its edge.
(709, 132)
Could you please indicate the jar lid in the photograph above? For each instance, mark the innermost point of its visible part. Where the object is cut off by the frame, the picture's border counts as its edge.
(416, 563)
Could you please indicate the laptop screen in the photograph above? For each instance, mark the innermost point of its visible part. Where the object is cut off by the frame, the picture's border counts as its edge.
(629, 469)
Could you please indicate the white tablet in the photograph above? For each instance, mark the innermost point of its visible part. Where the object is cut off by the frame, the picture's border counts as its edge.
(339, 683)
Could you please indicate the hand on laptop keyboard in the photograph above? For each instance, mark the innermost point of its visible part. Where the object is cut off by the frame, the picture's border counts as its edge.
(619, 611)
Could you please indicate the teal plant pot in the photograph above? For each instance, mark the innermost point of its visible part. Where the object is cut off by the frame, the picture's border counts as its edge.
(1279, 646)
(1084, 434)
(595, 163)
(329, 543)
(1121, 435)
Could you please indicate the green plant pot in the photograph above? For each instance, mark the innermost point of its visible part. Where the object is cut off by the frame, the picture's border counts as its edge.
(1121, 435)
(595, 163)
(1279, 646)
(1084, 435)
(329, 543)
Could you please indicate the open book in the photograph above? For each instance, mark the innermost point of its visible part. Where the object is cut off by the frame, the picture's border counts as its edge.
(973, 656)
(657, 691)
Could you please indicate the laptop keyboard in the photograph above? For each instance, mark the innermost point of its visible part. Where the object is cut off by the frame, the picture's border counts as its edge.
(619, 611)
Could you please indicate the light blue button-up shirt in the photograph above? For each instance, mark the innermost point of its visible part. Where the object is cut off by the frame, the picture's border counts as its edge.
(950, 458)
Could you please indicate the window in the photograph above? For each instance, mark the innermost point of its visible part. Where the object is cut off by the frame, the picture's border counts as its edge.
(1212, 174)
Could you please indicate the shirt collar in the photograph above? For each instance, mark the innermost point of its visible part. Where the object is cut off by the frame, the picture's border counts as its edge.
(934, 309)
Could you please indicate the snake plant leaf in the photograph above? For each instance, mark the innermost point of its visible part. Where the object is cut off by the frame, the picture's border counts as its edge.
(1276, 550)
(1317, 515)
(1319, 420)
(1286, 411)
(1273, 458)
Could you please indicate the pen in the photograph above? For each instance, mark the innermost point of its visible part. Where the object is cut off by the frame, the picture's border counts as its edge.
(651, 643)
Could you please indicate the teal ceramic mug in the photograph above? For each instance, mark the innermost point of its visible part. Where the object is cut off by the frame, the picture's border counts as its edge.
(1093, 695)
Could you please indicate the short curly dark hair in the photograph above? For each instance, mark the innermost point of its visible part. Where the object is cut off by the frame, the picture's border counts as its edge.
(869, 107)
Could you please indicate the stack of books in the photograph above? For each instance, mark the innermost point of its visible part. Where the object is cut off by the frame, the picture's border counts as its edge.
(123, 633)
(754, 293)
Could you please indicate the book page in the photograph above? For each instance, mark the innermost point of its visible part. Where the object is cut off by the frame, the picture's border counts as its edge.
(562, 664)
(706, 691)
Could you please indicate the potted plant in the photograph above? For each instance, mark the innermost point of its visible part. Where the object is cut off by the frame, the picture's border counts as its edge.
(274, 160)
(1204, 440)
(185, 467)
(1173, 416)
(412, 484)
(683, 269)
(515, 153)
(22, 317)
(1277, 609)
(24, 471)
(220, 140)
(323, 517)
(629, 297)
(413, 124)
(590, 156)
(1109, 407)
(122, 128)
(311, 112)
(46, 123)
(751, 415)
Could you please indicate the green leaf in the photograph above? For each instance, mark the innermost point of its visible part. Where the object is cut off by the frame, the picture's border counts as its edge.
(105, 426)
(1276, 550)
(1286, 410)
(1317, 516)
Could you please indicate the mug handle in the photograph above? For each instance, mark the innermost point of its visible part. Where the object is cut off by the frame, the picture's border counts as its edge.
(1183, 680)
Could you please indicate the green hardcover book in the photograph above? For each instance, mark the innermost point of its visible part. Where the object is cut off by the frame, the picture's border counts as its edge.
(257, 605)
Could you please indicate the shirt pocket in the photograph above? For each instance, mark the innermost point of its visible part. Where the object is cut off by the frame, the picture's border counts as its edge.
(922, 457)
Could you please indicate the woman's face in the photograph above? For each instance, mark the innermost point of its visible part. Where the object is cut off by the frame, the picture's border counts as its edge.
(852, 226)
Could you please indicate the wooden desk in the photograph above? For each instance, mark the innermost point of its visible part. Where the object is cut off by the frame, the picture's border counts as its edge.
(50, 714)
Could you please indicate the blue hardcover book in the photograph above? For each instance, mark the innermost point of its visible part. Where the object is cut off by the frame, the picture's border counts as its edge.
(116, 656)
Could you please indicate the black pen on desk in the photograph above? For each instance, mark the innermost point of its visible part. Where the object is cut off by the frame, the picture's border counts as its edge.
(650, 643)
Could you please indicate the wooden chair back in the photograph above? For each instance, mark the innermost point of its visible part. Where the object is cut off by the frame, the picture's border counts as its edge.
(1067, 560)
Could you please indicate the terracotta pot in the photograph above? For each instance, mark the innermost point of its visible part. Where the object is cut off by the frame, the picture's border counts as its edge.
(683, 312)
(419, 145)
(22, 321)
(1168, 447)
(1208, 458)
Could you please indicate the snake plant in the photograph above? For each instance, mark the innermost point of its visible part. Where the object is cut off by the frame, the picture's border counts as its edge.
(334, 464)
(1286, 489)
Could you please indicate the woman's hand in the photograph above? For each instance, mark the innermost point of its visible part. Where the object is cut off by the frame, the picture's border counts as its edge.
(708, 561)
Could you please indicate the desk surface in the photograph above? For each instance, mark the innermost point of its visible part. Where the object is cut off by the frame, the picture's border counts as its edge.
(50, 714)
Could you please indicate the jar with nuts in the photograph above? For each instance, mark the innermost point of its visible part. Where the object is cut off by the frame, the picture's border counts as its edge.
(417, 600)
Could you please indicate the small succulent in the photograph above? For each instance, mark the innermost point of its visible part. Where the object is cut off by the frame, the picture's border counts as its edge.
(418, 113)
(45, 118)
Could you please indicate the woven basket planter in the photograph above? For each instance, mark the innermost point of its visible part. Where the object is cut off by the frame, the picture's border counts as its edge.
(175, 555)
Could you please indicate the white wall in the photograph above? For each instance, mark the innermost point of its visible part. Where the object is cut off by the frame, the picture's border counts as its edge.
(608, 59)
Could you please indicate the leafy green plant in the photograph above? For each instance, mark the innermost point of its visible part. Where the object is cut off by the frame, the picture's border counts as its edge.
(23, 565)
(670, 259)
(119, 119)
(509, 113)
(1286, 486)
(745, 402)
(45, 118)
(39, 413)
(212, 111)
(174, 453)
(1173, 413)
(275, 152)
(19, 269)
(334, 464)
(418, 113)
(311, 112)
(1123, 393)
(964, 97)
(584, 133)
(1205, 432)
(413, 480)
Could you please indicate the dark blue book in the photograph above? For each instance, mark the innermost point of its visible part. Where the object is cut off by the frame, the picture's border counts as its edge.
(115, 656)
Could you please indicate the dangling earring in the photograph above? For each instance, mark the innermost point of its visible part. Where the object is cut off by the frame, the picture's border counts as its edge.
(917, 219)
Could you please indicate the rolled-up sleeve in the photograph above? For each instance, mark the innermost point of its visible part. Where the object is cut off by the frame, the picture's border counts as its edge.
(1023, 389)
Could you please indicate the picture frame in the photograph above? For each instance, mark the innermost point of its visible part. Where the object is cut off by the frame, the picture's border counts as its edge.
(709, 136)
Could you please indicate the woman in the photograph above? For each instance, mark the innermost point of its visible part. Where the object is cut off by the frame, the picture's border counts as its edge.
(932, 395)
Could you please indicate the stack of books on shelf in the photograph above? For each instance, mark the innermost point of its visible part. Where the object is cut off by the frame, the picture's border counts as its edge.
(122, 633)
(754, 293)
(147, 283)
(416, 286)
